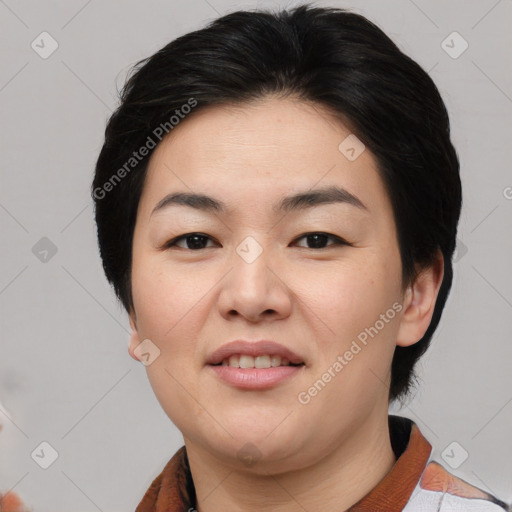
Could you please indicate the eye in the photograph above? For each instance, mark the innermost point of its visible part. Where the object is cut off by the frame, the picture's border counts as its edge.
(193, 241)
(197, 241)
(318, 240)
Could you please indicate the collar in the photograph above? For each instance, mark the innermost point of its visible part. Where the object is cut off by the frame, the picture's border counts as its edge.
(173, 489)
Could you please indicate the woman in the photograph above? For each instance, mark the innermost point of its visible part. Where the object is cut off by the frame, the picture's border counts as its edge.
(277, 202)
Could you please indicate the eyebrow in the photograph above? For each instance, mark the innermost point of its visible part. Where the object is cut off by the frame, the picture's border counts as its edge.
(295, 202)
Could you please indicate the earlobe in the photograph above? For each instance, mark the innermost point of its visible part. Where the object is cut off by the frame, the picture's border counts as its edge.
(132, 344)
(134, 339)
(420, 300)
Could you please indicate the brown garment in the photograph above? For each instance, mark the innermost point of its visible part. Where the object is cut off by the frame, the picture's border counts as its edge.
(435, 489)
(173, 490)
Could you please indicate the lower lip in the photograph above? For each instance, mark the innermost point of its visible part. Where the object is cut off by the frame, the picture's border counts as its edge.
(255, 378)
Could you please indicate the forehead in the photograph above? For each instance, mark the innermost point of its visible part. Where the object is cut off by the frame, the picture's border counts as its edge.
(254, 153)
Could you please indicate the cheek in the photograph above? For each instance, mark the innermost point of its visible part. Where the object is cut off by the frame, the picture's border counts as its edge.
(350, 302)
(165, 302)
(348, 295)
(164, 296)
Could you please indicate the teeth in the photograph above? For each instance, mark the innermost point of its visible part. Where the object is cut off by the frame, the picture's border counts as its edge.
(275, 361)
(245, 362)
(264, 361)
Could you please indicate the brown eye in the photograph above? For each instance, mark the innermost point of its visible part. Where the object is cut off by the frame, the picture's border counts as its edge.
(192, 241)
(319, 240)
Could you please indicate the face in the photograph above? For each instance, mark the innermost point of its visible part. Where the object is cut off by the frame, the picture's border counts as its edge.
(317, 277)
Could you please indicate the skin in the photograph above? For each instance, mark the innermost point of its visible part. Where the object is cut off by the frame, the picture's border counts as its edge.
(327, 454)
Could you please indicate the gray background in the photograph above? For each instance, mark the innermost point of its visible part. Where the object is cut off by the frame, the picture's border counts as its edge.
(65, 374)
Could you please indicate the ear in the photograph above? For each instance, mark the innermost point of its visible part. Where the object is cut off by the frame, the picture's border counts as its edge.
(134, 337)
(419, 303)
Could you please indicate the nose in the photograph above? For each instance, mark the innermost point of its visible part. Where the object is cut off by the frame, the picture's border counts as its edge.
(254, 288)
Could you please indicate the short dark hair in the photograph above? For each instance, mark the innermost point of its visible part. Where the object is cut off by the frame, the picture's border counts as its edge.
(332, 57)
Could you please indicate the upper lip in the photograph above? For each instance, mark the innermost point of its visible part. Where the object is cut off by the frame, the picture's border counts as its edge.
(254, 349)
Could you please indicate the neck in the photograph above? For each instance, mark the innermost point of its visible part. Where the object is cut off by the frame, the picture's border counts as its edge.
(333, 483)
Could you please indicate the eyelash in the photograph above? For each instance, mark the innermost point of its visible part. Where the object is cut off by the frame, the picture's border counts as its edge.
(338, 240)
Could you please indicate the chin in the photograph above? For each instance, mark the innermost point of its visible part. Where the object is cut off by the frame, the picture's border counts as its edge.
(259, 453)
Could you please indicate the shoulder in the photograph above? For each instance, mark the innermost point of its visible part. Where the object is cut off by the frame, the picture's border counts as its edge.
(447, 493)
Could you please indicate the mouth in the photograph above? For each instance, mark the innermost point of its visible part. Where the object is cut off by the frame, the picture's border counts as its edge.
(255, 365)
(254, 354)
(258, 373)
(264, 361)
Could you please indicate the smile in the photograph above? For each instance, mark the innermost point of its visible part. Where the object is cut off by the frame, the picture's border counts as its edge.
(262, 361)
